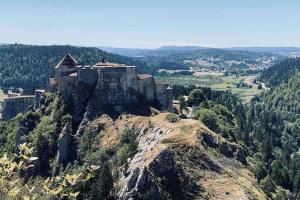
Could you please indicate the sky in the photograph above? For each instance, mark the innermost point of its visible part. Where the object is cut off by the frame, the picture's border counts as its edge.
(151, 23)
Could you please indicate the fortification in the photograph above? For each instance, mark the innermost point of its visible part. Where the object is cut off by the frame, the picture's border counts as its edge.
(115, 84)
(12, 106)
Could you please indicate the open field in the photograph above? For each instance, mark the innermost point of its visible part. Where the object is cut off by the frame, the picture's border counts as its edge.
(218, 83)
(203, 74)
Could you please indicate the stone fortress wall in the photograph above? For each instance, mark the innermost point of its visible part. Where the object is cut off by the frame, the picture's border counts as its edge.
(15, 104)
(116, 84)
(12, 106)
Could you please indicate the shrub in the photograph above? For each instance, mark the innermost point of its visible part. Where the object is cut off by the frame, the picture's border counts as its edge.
(128, 146)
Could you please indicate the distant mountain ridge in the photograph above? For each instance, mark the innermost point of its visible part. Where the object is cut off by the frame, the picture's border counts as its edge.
(139, 52)
(277, 50)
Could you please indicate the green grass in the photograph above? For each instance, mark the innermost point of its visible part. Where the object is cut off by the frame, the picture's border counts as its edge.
(216, 83)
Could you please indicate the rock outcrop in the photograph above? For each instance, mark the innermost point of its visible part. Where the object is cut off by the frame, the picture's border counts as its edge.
(64, 142)
(173, 162)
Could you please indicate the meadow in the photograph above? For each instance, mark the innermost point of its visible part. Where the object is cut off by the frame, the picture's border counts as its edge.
(217, 83)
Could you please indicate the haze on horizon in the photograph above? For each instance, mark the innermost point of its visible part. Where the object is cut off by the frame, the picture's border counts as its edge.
(150, 24)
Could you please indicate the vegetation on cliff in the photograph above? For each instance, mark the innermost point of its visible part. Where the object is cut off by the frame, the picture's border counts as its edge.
(115, 144)
(274, 125)
(280, 72)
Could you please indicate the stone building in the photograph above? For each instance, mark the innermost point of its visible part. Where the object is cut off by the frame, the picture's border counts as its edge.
(115, 84)
(12, 106)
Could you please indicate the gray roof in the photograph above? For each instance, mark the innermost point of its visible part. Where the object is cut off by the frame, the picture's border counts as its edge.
(67, 61)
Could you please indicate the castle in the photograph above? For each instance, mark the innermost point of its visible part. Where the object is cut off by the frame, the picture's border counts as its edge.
(115, 84)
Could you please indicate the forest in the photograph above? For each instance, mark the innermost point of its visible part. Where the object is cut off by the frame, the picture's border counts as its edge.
(280, 72)
(29, 67)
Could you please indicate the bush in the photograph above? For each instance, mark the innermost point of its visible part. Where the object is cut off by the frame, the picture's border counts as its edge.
(217, 118)
(128, 146)
(196, 97)
(267, 185)
(88, 141)
(207, 117)
(102, 183)
(282, 194)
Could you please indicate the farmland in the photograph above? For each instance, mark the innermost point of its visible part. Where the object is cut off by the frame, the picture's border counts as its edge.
(246, 92)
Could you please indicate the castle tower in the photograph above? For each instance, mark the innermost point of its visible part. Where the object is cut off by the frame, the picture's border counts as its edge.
(66, 75)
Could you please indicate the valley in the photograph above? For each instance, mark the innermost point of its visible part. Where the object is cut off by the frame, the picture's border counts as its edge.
(242, 86)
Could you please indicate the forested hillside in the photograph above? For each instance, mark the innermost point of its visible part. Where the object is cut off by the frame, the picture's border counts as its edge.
(280, 72)
(29, 67)
(274, 126)
(206, 58)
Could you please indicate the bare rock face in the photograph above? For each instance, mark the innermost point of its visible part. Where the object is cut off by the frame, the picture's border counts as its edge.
(160, 180)
(227, 149)
(81, 97)
(176, 159)
(64, 143)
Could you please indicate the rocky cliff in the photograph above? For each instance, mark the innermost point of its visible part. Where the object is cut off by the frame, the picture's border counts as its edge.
(178, 159)
(151, 155)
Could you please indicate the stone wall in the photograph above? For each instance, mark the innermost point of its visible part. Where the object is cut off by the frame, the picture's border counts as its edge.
(65, 81)
(132, 77)
(15, 105)
(112, 86)
(164, 95)
(146, 87)
(87, 75)
(109, 83)
(38, 97)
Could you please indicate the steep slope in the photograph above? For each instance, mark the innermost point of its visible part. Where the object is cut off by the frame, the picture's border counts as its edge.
(140, 156)
(284, 99)
(274, 126)
(280, 72)
(179, 159)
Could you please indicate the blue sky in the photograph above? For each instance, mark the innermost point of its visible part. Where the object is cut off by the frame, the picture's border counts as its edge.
(151, 23)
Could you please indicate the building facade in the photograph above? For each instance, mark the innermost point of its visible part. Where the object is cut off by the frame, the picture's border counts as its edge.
(12, 106)
(115, 84)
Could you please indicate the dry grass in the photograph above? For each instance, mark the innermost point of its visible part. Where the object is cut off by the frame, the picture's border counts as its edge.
(234, 181)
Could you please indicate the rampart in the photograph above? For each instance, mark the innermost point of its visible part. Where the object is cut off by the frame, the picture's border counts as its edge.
(14, 105)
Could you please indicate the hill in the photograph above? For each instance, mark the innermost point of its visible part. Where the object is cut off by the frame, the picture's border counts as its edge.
(274, 50)
(280, 72)
(136, 52)
(29, 67)
(209, 59)
(139, 153)
(274, 125)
